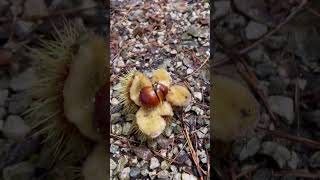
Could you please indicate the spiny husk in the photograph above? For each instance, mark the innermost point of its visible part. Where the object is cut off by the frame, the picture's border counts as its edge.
(94, 167)
(178, 95)
(128, 105)
(46, 114)
(150, 122)
(161, 76)
(235, 110)
(139, 81)
(87, 74)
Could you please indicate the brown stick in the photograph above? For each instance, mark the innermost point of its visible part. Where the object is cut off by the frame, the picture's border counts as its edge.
(302, 173)
(297, 139)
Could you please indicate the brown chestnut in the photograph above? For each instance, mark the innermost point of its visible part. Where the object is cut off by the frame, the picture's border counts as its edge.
(148, 97)
(162, 91)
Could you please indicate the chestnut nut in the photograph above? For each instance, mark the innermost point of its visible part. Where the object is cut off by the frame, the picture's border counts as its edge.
(162, 91)
(150, 97)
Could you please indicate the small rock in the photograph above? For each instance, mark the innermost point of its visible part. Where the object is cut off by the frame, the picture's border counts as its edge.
(154, 163)
(115, 101)
(35, 8)
(121, 163)
(23, 170)
(2, 113)
(23, 28)
(315, 160)
(255, 30)
(194, 31)
(126, 128)
(113, 165)
(222, 8)
(114, 148)
(22, 81)
(277, 85)
(173, 51)
(263, 174)
(179, 64)
(282, 106)
(153, 174)
(278, 152)
(250, 148)
(164, 165)
(174, 169)
(189, 71)
(198, 95)
(197, 110)
(201, 133)
(265, 70)
(186, 176)
(143, 153)
(167, 131)
(276, 41)
(258, 55)
(144, 172)
(121, 64)
(4, 82)
(15, 128)
(177, 176)
(163, 174)
(18, 103)
(117, 129)
(293, 162)
(115, 117)
(125, 174)
(3, 96)
(134, 172)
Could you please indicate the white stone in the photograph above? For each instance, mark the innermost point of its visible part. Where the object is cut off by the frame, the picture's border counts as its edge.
(198, 95)
(189, 71)
(114, 101)
(154, 163)
(125, 173)
(186, 176)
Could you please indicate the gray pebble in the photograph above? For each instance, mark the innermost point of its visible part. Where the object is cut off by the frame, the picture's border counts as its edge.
(2, 113)
(15, 128)
(250, 148)
(154, 163)
(134, 172)
(282, 106)
(315, 160)
(22, 81)
(255, 30)
(3, 96)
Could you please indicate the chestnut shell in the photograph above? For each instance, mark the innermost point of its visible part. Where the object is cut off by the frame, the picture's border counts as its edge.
(148, 97)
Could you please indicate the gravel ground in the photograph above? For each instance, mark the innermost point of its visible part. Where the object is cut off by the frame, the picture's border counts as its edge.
(145, 36)
(286, 66)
